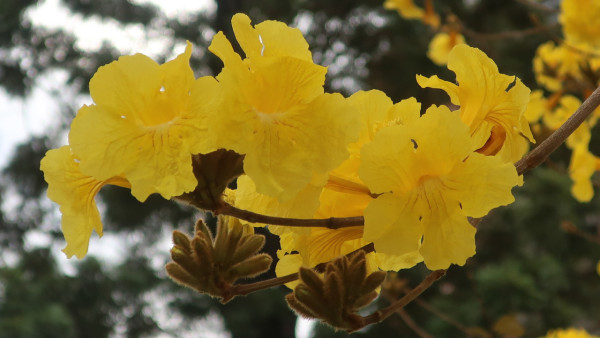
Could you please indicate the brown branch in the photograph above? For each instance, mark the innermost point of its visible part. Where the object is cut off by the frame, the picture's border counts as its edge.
(244, 289)
(382, 314)
(550, 144)
(528, 162)
(330, 223)
(571, 228)
(516, 34)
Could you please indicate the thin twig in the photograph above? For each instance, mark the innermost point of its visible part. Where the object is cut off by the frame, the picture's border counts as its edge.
(443, 316)
(382, 314)
(330, 223)
(538, 6)
(412, 324)
(571, 228)
(244, 289)
(550, 144)
(516, 34)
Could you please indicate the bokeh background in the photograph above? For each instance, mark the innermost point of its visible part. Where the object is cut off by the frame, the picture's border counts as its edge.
(529, 275)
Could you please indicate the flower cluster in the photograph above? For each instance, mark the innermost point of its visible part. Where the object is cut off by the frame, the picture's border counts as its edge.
(416, 178)
(578, 18)
(570, 72)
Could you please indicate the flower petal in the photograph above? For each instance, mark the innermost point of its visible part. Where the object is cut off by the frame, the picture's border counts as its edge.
(75, 193)
(391, 226)
(269, 38)
(435, 82)
(284, 153)
(449, 239)
(148, 126)
(482, 183)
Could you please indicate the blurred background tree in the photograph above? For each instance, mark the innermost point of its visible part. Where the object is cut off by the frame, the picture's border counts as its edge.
(528, 276)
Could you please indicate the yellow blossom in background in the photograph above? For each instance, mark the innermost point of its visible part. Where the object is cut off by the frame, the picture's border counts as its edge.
(494, 115)
(408, 10)
(553, 63)
(579, 19)
(554, 112)
(429, 182)
(441, 45)
(569, 333)
(274, 109)
(146, 122)
(75, 193)
(560, 66)
(536, 107)
(581, 169)
(553, 119)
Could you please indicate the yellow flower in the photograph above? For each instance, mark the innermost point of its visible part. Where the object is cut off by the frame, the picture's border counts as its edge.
(536, 107)
(146, 122)
(302, 205)
(429, 181)
(75, 193)
(441, 45)
(553, 119)
(494, 115)
(569, 333)
(581, 169)
(408, 10)
(556, 66)
(579, 19)
(274, 109)
(345, 195)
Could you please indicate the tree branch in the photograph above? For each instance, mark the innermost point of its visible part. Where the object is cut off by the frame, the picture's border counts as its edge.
(382, 314)
(244, 289)
(516, 34)
(412, 324)
(443, 316)
(571, 228)
(549, 145)
(330, 223)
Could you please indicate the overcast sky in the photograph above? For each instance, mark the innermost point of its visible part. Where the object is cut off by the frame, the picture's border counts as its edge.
(19, 119)
(22, 118)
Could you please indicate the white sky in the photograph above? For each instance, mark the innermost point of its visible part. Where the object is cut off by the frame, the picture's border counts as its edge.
(22, 118)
